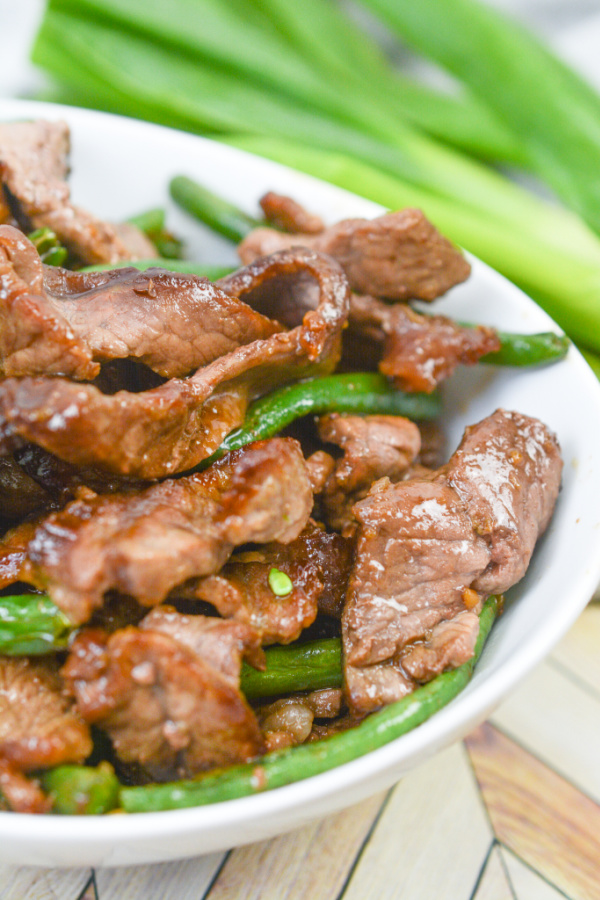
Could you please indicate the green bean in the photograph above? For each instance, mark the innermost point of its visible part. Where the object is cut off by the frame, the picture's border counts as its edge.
(302, 667)
(362, 392)
(47, 244)
(31, 625)
(213, 273)
(223, 217)
(149, 220)
(286, 766)
(528, 349)
(82, 790)
(152, 223)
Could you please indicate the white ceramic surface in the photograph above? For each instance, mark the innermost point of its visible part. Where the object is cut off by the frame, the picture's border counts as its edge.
(121, 167)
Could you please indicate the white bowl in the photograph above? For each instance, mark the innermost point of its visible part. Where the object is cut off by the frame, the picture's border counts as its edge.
(121, 167)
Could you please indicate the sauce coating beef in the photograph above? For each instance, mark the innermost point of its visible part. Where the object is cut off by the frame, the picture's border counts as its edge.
(417, 352)
(33, 172)
(145, 543)
(317, 564)
(173, 427)
(168, 692)
(38, 726)
(399, 255)
(430, 548)
(374, 447)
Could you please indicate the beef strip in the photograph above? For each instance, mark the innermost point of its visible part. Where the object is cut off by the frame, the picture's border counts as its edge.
(57, 322)
(374, 447)
(38, 726)
(33, 172)
(34, 337)
(173, 427)
(144, 544)
(399, 255)
(450, 644)
(285, 214)
(168, 692)
(417, 352)
(20, 794)
(317, 564)
(507, 471)
(430, 548)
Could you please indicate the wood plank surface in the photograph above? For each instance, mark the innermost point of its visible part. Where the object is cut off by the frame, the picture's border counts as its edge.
(551, 716)
(527, 884)
(29, 883)
(192, 877)
(537, 814)
(431, 839)
(311, 863)
(494, 883)
(579, 650)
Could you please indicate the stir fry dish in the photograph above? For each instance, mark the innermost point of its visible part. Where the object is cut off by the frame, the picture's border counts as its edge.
(234, 551)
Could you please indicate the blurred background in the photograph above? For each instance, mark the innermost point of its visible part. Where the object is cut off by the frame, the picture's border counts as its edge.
(572, 27)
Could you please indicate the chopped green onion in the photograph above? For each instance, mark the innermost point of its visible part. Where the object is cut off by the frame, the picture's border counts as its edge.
(280, 583)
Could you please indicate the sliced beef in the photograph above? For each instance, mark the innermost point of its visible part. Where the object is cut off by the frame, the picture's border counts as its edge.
(33, 172)
(34, 336)
(167, 693)
(317, 564)
(399, 255)
(285, 214)
(38, 725)
(19, 793)
(173, 427)
(374, 447)
(417, 352)
(507, 471)
(66, 323)
(450, 644)
(145, 543)
(431, 548)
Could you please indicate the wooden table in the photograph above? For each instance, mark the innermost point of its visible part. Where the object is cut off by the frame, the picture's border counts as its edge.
(511, 812)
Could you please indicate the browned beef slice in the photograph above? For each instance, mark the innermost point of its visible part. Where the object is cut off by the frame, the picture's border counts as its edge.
(399, 255)
(507, 471)
(417, 352)
(168, 692)
(450, 644)
(33, 172)
(417, 553)
(34, 336)
(172, 322)
(430, 548)
(374, 447)
(20, 794)
(173, 427)
(144, 544)
(38, 726)
(284, 213)
(317, 564)
(57, 322)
